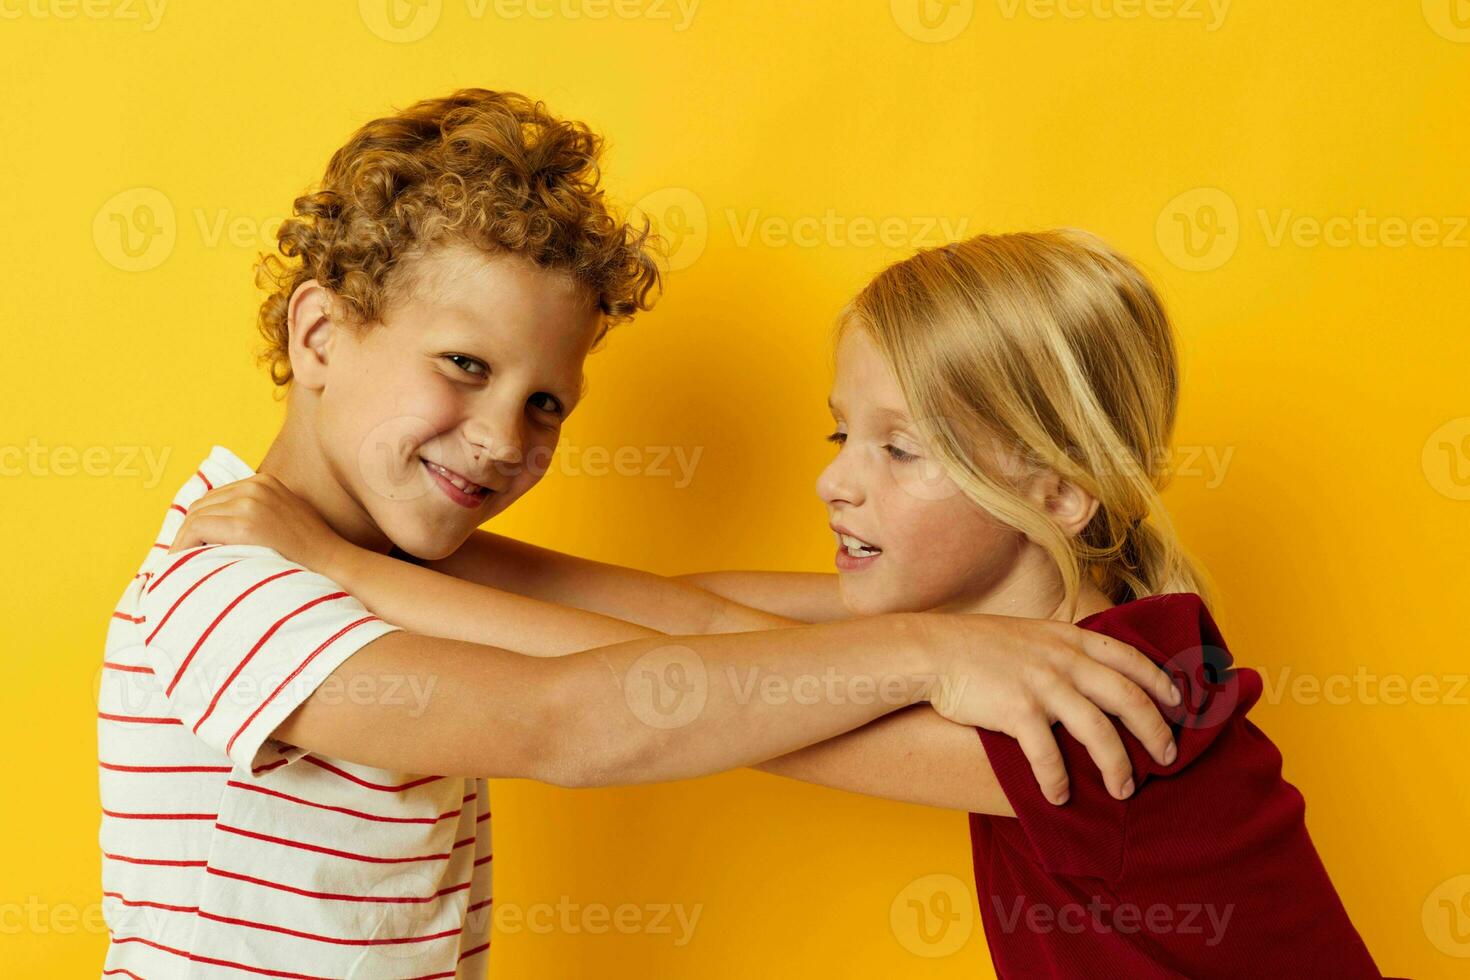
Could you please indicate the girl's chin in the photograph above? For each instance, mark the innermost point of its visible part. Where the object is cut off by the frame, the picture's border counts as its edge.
(860, 601)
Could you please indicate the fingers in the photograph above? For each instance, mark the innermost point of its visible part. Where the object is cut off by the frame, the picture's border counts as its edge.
(1131, 664)
(194, 532)
(1088, 725)
(1040, 747)
(203, 524)
(1117, 695)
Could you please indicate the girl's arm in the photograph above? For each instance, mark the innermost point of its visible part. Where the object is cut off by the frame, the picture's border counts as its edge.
(665, 604)
(497, 591)
(718, 602)
(437, 604)
(261, 512)
(807, 597)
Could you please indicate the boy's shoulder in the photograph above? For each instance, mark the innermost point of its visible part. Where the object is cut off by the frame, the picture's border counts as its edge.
(219, 468)
(237, 636)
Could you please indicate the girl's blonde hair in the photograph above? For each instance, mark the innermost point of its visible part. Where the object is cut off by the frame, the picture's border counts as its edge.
(1051, 349)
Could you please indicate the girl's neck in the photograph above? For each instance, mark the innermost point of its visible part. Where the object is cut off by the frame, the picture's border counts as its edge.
(1032, 589)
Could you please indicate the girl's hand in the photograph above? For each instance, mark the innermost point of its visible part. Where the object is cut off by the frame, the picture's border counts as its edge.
(260, 510)
(1018, 676)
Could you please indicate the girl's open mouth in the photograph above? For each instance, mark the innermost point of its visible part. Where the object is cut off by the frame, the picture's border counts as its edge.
(854, 553)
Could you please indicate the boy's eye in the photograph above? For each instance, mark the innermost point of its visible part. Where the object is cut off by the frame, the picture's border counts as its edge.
(546, 402)
(468, 365)
(899, 455)
(838, 438)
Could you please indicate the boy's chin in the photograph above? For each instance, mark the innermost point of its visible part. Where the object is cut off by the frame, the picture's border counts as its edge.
(426, 544)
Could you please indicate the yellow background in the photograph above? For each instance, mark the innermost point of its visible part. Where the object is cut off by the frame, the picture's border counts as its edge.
(1332, 377)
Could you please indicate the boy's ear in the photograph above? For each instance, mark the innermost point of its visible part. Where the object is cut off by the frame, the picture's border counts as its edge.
(1066, 503)
(313, 333)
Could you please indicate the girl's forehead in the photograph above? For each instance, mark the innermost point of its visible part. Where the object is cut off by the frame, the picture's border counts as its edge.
(865, 383)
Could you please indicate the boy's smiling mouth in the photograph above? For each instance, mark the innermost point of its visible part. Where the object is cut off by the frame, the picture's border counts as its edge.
(457, 488)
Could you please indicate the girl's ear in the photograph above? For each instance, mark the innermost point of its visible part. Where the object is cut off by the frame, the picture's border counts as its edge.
(313, 332)
(1066, 503)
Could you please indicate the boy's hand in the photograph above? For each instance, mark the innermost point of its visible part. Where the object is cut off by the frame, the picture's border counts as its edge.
(260, 510)
(1018, 676)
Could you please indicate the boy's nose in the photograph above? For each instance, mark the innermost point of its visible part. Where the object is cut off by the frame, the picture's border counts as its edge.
(494, 445)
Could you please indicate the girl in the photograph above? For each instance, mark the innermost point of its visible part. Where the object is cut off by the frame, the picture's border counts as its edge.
(1003, 412)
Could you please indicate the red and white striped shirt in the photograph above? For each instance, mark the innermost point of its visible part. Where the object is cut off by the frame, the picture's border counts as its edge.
(227, 853)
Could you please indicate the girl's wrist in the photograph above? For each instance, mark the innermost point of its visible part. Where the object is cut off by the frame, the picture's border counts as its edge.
(339, 561)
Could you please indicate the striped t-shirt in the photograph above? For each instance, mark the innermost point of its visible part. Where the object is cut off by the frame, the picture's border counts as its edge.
(227, 853)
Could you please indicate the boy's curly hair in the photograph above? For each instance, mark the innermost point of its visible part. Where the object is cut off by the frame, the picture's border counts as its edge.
(493, 169)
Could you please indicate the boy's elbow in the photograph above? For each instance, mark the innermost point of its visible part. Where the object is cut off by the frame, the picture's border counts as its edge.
(576, 747)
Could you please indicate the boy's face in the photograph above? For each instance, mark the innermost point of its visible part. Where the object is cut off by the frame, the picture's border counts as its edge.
(932, 546)
(440, 416)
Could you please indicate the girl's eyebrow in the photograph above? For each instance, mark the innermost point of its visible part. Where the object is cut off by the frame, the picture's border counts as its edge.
(895, 415)
(889, 414)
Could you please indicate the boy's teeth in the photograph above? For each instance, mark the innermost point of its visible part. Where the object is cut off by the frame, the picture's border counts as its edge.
(455, 480)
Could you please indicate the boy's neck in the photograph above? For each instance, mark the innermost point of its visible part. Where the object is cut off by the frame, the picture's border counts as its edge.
(295, 458)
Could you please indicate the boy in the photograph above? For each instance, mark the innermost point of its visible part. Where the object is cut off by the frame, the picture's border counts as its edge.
(264, 740)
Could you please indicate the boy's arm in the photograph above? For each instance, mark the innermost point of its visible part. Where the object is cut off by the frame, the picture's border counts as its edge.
(675, 707)
(646, 710)
(912, 756)
(807, 597)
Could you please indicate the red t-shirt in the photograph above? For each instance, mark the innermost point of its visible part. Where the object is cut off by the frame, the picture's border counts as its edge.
(1206, 871)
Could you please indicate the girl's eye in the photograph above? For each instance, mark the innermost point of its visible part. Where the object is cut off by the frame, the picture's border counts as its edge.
(899, 455)
(838, 438)
(546, 402)
(468, 365)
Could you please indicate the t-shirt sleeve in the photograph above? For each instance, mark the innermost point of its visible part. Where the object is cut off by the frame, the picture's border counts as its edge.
(1083, 836)
(238, 637)
(1088, 835)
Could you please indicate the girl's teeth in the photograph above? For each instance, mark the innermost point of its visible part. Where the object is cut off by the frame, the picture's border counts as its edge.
(857, 548)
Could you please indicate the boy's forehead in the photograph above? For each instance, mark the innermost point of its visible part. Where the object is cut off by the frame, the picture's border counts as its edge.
(454, 272)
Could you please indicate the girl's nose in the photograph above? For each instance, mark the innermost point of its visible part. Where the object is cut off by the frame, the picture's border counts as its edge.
(836, 484)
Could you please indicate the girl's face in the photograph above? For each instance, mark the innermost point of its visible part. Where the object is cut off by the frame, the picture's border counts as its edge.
(907, 538)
